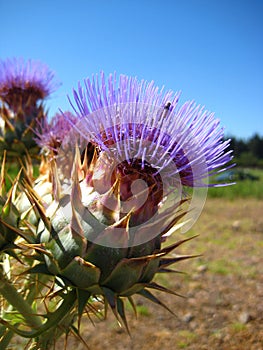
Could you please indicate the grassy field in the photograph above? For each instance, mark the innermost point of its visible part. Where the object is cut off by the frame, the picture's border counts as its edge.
(242, 188)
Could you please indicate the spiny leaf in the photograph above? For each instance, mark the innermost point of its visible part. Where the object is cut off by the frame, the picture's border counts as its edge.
(117, 306)
(174, 223)
(121, 312)
(56, 186)
(133, 305)
(77, 204)
(164, 270)
(75, 331)
(148, 295)
(169, 261)
(83, 297)
(27, 167)
(170, 248)
(156, 286)
(75, 224)
(36, 203)
(7, 121)
(132, 290)
(110, 202)
(2, 176)
(9, 209)
(110, 297)
(13, 229)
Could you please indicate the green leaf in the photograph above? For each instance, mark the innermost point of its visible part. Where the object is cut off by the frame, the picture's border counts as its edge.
(83, 297)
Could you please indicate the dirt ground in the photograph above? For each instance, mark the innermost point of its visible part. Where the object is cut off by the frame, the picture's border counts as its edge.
(223, 308)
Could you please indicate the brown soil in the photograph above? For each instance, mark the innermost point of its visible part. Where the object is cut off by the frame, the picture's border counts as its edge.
(223, 308)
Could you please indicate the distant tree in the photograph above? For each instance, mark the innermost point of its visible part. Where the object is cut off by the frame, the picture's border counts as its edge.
(247, 159)
(255, 146)
(248, 153)
(238, 146)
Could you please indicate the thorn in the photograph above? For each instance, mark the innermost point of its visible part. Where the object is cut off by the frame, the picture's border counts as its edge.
(171, 247)
(56, 186)
(2, 176)
(75, 223)
(133, 306)
(111, 202)
(160, 288)
(169, 261)
(148, 295)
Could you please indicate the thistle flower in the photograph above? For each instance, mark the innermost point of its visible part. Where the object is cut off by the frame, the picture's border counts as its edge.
(24, 82)
(143, 134)
(52, 133)
(23, 86)
(103, 234)
(151, 126)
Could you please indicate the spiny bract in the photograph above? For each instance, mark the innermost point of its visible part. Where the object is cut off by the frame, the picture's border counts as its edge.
(88, 255)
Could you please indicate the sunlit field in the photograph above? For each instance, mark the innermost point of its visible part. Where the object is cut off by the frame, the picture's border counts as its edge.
(242, 189)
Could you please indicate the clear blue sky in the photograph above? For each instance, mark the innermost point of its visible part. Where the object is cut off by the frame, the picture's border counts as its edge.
(212, 50)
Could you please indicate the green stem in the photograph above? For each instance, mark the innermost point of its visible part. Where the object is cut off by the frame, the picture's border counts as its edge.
(48, 339)
(6, 339)
(12, 296)
(2, 331)
(54, 319)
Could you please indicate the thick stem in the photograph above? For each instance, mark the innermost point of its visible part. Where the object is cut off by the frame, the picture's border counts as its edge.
(12, 296)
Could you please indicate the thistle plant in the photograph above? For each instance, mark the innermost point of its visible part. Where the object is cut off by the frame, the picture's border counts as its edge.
(23, 87)
(127, 171)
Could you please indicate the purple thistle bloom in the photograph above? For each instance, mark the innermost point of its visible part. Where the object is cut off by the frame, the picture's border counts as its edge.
(21, 81)
(51, 134)
(135, 120)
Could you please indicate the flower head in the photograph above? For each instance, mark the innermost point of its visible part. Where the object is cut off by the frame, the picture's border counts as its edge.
(136, 120)
(52, 133)
(23, 82)
(152, 153)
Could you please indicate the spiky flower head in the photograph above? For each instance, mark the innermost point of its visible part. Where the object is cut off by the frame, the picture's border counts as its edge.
(138, 112)
(25, 82)
(52, 133)
(23, 87)
(149, 146)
